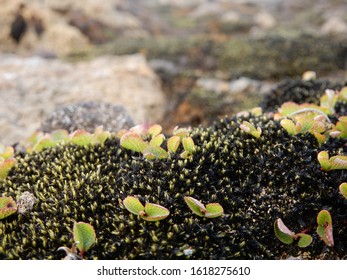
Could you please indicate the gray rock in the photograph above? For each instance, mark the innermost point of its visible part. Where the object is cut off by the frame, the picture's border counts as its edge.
(88, 116)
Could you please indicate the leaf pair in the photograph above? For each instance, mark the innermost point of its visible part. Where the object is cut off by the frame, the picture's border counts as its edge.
(325, 227)
(286, 236)
(335, 162)
(250, 129)
(211, 210)
(149, 212)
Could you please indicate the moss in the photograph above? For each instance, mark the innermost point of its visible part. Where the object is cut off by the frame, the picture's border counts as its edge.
(255, 180)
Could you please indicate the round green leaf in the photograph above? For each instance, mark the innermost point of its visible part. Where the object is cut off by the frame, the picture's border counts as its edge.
(195, 205)
(343, 189)
(188, 144)
(172, 144)
(305, 240)
(133, 205)
(81, 137)
(155, 152)
(157, 140)
(133, 141)
(214, 210)
(283, 233)
(155, 212)
(84, 236)
(324, 218)
(7, 207)
(5, 167)
(154, 130)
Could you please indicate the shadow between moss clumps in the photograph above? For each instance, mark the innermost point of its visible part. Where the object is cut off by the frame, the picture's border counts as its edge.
(255, 179)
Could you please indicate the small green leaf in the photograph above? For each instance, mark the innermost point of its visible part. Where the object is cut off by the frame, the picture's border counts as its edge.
(283, 233)
(195, 205)
(84, 236)
(133, 141)
(335, 162)
(7, 207)
(157, 140)
(323, 158)
(154, 130)
(188, 144)
(152, 152)
(343, 189)
(59, 135)
(305, 240)
(289, 126)
(324, 218)
(250, 129)
(173, 143)
(100, 135)
(44, 143)
(5, 167)
(81, 137)
(213, 210)
(180, 132)
(133, 205)
(154, 212)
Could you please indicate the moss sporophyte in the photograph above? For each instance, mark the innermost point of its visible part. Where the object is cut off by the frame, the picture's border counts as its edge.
(213, 192)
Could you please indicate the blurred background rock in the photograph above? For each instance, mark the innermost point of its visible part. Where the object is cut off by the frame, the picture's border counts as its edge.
(168, 61)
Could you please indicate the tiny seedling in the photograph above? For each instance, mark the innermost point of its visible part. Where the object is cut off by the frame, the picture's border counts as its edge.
(7, 207)
(5, 166)
(335, 162)
(250, 129)
(325, 227)
(149, 212)
(211, 210)
(84, 237)
(285, 235)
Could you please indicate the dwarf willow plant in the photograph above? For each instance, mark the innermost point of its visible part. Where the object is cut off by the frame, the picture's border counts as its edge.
(7, 160)
(149, 212)
(285, 235)
(7, 207)
(325, 227)
(84, 237)
(311, 118)
(148, 141)
(343, 190)
(211, 210)
(334, 162)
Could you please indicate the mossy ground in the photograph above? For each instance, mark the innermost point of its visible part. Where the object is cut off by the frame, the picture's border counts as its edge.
(256, 180)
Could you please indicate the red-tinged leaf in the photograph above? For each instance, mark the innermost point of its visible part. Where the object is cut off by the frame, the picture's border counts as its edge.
(133, 141)
(84, 236)
(6, 152)
(81, 137)
(283, 233)
(5, 167)
(173, 143)
(133, 205)
(324, 218)
(7, 207)
(329, 234)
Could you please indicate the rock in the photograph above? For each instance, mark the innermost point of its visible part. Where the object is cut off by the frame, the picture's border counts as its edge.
(31, 88)
(334, 26)
(88, 116)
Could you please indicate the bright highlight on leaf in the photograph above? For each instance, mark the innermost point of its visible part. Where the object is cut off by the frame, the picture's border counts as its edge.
(212, 210)
(149, 212)
(283, 233)
(173, 143)
(250, 129)
(325, 227)
(343, 189)
(154, 212)
(5, 166)
(7, 207)
(84, 236)
(304, 240)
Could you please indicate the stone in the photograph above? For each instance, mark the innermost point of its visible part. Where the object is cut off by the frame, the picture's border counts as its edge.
(31, 88)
